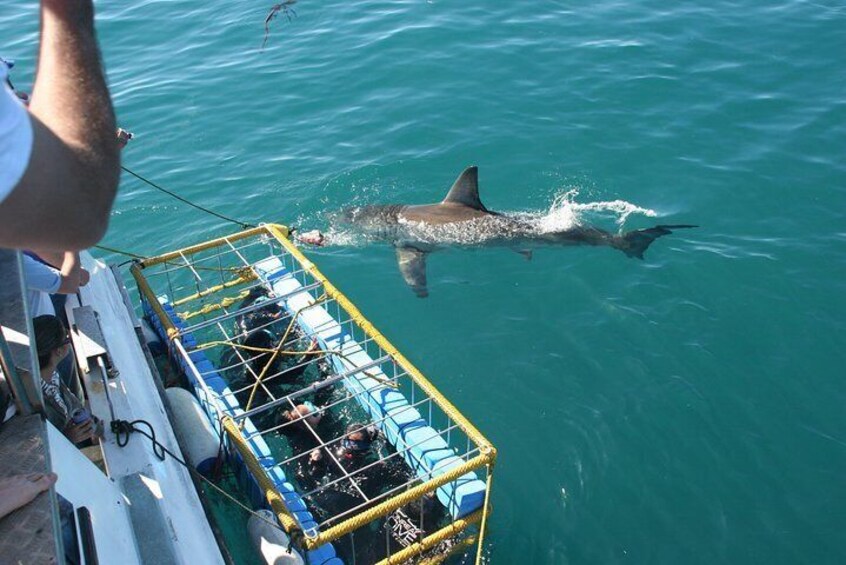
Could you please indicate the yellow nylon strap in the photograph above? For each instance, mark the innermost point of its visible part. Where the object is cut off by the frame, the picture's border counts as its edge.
(225, 303)
(244, 275)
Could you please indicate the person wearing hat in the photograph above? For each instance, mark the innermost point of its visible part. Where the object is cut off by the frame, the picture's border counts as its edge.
(64, 409)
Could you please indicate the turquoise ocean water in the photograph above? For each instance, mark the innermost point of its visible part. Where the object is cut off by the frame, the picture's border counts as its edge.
(684, 409)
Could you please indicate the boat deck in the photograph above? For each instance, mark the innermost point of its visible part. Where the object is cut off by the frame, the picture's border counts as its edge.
(26, 535)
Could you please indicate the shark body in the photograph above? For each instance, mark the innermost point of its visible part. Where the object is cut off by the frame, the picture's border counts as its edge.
(462, 220)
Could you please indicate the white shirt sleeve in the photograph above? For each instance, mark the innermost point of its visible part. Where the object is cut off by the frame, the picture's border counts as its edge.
(15, 137)
(41, 277)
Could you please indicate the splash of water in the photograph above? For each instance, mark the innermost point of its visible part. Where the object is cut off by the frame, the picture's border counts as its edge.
(566, 213)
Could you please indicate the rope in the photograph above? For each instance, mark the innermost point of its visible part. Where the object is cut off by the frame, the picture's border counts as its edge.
(244, 225)
(485, 509)
(277, 350)
(225, 303)
(245, 275)
(175, 264)
(119, 252)
(311, 351)
(123, 430)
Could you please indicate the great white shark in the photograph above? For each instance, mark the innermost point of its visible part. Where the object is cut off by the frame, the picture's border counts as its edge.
(462, 220)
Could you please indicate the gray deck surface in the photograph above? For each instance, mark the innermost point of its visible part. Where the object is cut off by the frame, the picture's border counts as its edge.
(26, 535)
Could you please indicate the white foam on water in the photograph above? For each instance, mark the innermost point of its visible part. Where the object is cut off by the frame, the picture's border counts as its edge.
(565, 213)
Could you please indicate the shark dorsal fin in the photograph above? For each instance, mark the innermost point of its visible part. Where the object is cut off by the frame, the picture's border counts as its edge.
(465, 190)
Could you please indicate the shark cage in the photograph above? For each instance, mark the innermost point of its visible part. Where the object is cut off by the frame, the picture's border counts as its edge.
(355, 454)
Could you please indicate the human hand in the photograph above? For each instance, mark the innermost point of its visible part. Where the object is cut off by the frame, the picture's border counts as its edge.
(315, 456)
(18, 490)
(84, 277)
(78, 433)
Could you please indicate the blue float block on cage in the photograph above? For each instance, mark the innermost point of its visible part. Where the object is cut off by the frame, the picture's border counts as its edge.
(303, 517)
(422, 439)
(277, 475)
(260, 449)
(388, 399)
(333, 337)
(284, 487)
(205, 367)
(399, 422)
(197, 356)
(333, 561)
(230, 404)
(432, 458)
(217, 384)
(467, 496)
(310, 528)
(294, 503)
(321, 555)
(375, 399)
(383, 401)
(270, 277)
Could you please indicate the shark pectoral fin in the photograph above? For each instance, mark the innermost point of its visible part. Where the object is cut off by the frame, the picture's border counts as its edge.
(412, 265)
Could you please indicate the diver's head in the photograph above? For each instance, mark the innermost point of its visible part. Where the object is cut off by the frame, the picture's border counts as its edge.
(306, 412)
(358, 440)
(260, 339)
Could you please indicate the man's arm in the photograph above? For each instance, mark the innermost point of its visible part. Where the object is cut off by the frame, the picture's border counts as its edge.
(70, 266)
(71, 274)
(64, 198)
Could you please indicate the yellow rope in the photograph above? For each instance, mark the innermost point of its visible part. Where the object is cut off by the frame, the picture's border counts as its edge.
(276, 351)
(485, 511)
(436, 559)
(383, 380)
(244, 275)
(208, 308)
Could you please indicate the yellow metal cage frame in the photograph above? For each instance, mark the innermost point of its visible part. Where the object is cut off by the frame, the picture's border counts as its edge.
(485, 458)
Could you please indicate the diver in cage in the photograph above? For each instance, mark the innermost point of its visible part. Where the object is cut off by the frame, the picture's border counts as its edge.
(299, 423)
(269, 314)
(354, 451)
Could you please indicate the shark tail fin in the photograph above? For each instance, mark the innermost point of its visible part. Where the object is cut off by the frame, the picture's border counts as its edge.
(635, 243)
